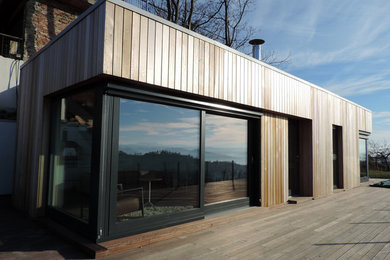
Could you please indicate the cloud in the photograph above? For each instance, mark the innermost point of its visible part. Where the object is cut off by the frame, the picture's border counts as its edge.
(359, 84)
(381, 126)
(380, 135)
(325, 31)
(381, 114)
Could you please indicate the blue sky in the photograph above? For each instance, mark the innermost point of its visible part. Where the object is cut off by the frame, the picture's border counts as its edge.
(342, 46)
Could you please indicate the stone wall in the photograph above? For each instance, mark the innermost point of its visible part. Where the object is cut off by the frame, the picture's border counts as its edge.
(44, 19)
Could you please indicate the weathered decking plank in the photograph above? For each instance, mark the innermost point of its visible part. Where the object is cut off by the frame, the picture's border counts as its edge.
(351, 224)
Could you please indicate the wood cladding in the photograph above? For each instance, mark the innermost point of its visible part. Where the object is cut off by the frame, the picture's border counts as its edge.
(116, 40)
(274, 160)
(76, 56)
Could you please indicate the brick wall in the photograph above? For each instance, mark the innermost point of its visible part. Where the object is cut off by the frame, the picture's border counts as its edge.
(44, 19)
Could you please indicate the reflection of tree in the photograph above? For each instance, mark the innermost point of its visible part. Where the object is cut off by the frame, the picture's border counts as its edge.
(177, 169)
(224, 170)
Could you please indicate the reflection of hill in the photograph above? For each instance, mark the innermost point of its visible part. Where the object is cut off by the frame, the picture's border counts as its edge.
(156, 161)
(174, 168)
(183, 168)
(222, 170)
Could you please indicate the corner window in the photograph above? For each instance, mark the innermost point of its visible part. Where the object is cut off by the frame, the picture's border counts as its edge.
(71, 153)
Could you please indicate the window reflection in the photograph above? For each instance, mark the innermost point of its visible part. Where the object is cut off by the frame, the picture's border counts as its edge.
(71, 154)
(158, 159)
(225, 158)
(363, 157)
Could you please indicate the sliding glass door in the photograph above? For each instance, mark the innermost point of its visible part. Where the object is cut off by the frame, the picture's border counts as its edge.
(173, 162)
(226, 159)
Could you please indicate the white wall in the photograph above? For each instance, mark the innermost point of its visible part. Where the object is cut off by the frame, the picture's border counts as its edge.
(9, 79)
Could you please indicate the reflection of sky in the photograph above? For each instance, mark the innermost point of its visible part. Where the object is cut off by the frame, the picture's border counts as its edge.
(147, 127)
(226, 139)
(157, 127)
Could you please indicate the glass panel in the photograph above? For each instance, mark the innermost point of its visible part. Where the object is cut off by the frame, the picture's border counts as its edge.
(363, 157)
(71, 154)
(158, 162)
(226, 158)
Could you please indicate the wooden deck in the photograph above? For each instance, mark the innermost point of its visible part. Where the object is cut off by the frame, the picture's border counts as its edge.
(352, 224)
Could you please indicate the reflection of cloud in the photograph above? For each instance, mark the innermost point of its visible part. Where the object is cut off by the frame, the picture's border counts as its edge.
(172, 108)
(191, 131)
(152, 128)
(142, 111)
(225, 131)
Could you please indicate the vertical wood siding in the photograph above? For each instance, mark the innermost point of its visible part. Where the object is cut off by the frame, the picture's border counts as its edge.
(114, 40)
(274, 160)
(76, 56)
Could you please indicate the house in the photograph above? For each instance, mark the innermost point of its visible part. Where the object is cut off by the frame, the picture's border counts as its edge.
(129, 123)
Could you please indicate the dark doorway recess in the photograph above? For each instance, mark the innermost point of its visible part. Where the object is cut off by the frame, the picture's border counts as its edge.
(338, 179)
(300, 158)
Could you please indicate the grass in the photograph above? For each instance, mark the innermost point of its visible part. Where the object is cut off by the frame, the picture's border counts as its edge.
(379, 174)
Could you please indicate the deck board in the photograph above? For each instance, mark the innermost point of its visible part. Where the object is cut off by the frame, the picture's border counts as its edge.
(352, 224)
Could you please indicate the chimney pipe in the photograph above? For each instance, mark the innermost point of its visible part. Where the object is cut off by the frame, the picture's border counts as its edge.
(256, 48)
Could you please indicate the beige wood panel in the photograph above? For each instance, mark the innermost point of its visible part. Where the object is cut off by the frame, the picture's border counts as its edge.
(195, 88)
(201, 66)
(211, 71)
(127, 33)
(135, 45)
(368, 126)
(206, 73)
(151, 51)
(108, 38)
(322, 146)
(190, 62)
(158, 54)
(351, 149)
(216, 71)
(143, 49)
(178, 60)
(172, 58)
(165, 56)
(274, 160)
(184, 62)
(222, 74)
(118, 42)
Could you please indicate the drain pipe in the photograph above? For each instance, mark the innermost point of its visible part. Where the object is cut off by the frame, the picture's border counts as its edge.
(256, 48)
